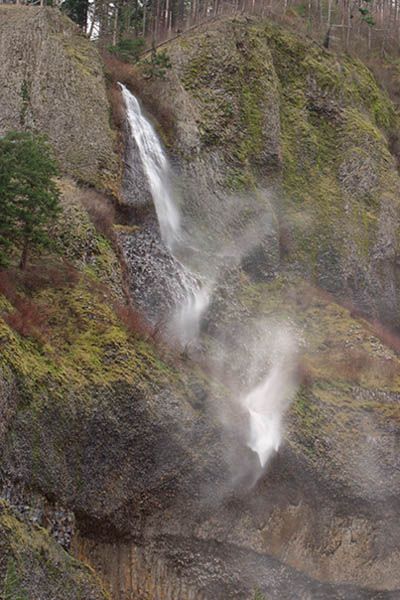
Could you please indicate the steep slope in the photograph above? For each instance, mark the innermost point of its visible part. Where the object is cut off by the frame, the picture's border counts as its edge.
(255, 107)
(267, 126)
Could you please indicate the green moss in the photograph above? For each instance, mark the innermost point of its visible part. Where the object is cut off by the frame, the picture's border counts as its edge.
(38, 567)
(232, 79)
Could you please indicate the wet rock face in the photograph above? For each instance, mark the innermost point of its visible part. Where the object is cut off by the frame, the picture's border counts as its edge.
(191, 569)
(135, 189)
(215, 548)
(140, 455)
(53, 83)
(153, 442)
(34, 509)
(286, 126)
(158, 282)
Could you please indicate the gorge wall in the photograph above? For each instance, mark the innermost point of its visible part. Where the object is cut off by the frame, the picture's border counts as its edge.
(289, 197)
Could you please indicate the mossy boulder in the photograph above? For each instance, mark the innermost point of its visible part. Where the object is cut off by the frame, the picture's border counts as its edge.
(52, 82)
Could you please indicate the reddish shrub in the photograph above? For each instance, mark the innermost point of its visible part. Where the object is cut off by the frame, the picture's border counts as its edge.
(28, 319)
(304, 375)
(148, 92)
(134, 322)
(285, 240)
(7, 286)
(117, 106)
(43, 276)
(386, 335)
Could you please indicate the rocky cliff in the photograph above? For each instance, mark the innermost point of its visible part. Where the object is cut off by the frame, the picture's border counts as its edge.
(52, 82)
(102, 418)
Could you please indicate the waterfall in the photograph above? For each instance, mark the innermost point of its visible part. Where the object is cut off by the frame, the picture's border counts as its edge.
(156, 168)
(192, 295)
(265, 403)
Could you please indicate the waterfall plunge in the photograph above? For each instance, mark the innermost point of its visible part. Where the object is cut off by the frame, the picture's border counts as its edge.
(185, 323)
(156, 168)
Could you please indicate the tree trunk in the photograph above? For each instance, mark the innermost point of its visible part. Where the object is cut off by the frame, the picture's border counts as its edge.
(115, 28)
(24, 256)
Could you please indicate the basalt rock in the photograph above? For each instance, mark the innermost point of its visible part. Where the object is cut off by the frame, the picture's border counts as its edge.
(53, 83)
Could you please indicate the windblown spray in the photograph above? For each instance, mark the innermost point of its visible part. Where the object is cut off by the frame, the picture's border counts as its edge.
(268, 402)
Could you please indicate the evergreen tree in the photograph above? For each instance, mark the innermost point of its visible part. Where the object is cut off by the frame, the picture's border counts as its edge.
(29, 197)
(77, 10)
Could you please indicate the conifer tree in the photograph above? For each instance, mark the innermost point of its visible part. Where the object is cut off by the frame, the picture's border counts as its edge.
(29, 197)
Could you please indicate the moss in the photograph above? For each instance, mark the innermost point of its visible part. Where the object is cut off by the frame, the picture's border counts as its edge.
(309, 421)
(38, 567)
(232, 80)
(330, 140)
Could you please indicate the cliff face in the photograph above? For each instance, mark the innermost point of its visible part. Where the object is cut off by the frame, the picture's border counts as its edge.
(105, 420)
(52, 82)
(258, 107)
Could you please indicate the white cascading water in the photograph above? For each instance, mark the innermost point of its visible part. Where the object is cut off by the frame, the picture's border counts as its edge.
(156, 168)
(186, 322)
(187, 319)
(266, 403)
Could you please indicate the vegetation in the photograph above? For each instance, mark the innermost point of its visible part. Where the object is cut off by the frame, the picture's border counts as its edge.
(12, 585)
(29, 197)
(157, 65)
(362, 25)
(128, 50)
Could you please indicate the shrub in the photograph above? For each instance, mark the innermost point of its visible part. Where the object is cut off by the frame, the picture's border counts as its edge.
(304, 375)
(117, 106)
(134, 321)
(7, 287)
(28, 319)
(148, 91)
(386, 335)
(157, 65)
(57, 276)
(101, 212)
(128, 50)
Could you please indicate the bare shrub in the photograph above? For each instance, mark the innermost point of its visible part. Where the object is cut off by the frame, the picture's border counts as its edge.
(28, 319)
(57, 276)
(117, 106)
(149, 93)
(101, 212)
(7, 286)
(304, 374)
(386, 335)
(134, 321)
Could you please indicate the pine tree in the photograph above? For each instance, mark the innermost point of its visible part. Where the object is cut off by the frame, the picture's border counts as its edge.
(29, 197)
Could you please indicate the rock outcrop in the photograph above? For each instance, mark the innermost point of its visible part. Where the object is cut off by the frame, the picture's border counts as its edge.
(34, 566)
(53, 83)
(256, 108)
